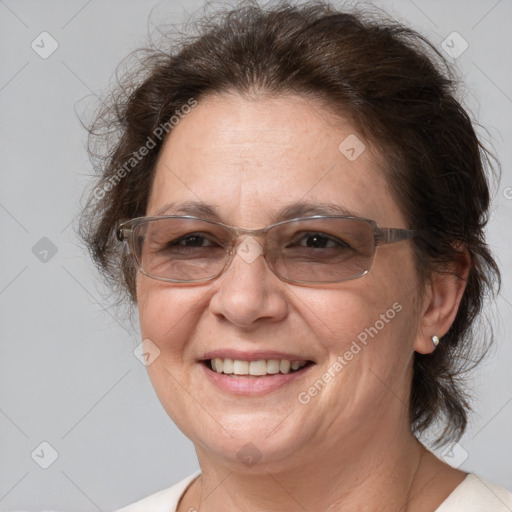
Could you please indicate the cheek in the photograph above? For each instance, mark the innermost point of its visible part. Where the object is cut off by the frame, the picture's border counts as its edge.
(370, 322)
(341, 315)
(168, 316)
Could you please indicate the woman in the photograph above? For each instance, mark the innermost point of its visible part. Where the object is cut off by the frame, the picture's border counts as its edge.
(296, 205)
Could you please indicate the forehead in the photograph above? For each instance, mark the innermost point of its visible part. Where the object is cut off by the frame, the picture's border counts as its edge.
(250, 158)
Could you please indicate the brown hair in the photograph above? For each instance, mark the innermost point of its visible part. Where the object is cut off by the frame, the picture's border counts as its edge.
(400, 94)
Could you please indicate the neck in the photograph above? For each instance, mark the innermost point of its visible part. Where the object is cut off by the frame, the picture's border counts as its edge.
(375, 474)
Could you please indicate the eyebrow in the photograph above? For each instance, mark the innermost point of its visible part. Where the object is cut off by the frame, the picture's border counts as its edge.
(294, 210)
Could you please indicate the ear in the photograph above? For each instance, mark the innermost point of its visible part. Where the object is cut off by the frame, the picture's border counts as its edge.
(443, 293)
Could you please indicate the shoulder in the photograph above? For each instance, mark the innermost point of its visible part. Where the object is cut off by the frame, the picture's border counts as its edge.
(165, 500)
(476, 494)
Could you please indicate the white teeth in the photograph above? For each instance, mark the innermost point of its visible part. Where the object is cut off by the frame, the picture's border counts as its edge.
(257, 368)
(273, 366)
(228, 366)
(284, 366)
(240, 367)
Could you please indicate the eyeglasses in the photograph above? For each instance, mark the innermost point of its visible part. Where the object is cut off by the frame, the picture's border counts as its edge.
(308, 250)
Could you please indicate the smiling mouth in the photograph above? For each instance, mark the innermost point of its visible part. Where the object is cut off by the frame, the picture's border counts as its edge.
(257, 368)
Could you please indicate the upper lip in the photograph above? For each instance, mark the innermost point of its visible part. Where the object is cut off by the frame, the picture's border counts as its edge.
(255, 355)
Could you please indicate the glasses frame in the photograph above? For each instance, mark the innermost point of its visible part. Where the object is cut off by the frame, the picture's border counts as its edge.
(382, 236)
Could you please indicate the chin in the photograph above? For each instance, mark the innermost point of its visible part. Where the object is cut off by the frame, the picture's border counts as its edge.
(249, 440)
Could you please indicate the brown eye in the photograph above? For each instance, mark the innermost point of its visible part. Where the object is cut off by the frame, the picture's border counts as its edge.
(194, 240)
(317, 241)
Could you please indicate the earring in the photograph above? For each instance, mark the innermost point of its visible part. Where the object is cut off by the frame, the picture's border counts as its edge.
(435, 341)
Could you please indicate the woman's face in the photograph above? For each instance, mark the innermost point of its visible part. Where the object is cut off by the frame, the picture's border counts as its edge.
(249, 159)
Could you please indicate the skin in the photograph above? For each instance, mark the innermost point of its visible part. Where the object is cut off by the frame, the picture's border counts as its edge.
(350, 447)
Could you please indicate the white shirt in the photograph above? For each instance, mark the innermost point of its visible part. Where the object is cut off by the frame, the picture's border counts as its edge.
(474, 494)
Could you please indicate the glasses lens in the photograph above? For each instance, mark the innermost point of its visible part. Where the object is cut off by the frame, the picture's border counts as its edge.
(180, 249)
(322, 250)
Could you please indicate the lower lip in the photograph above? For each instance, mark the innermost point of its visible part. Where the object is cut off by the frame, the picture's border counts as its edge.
(253, 386)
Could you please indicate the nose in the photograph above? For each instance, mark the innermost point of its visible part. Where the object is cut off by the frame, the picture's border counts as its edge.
(249, 293)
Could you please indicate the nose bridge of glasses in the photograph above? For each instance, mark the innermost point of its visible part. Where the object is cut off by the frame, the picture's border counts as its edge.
(251, 232)
(238, 235)
(250, 244)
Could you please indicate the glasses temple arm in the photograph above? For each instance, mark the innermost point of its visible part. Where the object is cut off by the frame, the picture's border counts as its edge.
(391, 235)
(122, 233)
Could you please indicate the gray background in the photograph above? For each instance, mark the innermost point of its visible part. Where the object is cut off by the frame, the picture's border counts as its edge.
(68, 375)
